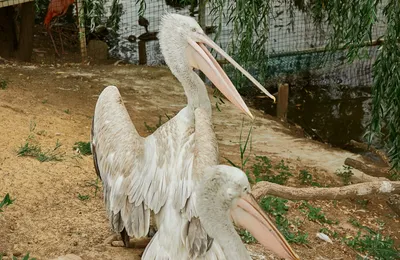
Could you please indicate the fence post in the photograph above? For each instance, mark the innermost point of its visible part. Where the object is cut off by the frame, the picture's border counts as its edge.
(82, 33)
(142, 53)
(283, 101)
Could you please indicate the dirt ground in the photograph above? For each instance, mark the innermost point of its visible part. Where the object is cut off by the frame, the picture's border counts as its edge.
(49, 103)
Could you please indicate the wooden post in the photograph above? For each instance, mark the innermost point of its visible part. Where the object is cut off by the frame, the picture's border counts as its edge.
(82, 33)
(25, 44)
(283, 101)
(142, 53)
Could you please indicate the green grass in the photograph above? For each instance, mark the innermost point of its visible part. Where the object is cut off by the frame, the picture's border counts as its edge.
(345, 174)
(372, 243)
(3, 84)
(26, 257)
(306, 178)
(246, 236)
(83, 148)
(83, 197)
(67, 111)
(277, 207)
(315, 214)
(262, 171)
(95, 184)
(32, 149)
(7, 201)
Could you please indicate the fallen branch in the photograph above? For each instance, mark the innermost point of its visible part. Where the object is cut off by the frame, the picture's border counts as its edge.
(368, 169)
(356, 190)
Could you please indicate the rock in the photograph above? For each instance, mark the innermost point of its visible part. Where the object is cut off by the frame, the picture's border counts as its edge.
(97, 50)
(68, 257)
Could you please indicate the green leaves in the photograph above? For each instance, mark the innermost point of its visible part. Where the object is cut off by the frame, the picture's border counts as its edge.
(5, 202)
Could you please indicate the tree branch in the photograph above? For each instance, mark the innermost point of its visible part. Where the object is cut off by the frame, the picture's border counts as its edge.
(356, 190)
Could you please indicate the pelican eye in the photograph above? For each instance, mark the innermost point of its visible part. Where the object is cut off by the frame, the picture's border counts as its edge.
(245, 189)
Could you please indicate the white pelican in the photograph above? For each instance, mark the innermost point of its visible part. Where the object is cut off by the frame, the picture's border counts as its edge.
(156, 173)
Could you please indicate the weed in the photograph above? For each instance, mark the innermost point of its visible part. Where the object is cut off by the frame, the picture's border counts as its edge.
(3, 84)
(243, 148)
(34, 150)
(66, 111)
(262, 171)
(5, 202)
(315, 214)
(246, 236)
(95, 184)
(219, 101)
(83, 148)
(44, 101)
(83, 197)
(363, 203)
(307, 179)
(357, 224)
(345, 174)
(278, 208)
(376, 245)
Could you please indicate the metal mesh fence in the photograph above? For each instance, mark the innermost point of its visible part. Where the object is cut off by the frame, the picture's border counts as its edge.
(294, 47)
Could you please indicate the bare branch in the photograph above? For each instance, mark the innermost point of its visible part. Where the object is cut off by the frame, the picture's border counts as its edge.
(356, 190)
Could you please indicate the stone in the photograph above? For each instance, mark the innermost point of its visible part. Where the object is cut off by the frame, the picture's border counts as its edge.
(97, 50)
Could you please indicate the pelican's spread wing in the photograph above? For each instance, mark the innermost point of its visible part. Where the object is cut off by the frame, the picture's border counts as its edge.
(130, 166)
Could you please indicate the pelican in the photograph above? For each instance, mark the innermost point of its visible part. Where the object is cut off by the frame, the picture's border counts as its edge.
(155, 173)
(224, 193)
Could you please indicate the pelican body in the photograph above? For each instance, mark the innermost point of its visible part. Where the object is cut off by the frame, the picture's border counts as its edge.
(157, 173)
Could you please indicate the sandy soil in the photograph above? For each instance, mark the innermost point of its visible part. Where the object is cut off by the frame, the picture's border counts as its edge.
(48, 219)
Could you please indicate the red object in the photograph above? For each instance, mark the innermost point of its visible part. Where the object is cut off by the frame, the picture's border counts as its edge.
(56, 8)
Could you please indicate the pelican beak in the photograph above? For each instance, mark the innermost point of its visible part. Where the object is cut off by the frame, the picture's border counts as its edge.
(201, 58)
(247, 214)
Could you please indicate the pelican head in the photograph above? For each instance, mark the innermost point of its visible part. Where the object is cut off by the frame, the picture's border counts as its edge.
(224, 194)
(183, 44)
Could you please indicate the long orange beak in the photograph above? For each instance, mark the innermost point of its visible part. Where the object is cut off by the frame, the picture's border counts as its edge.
(250, 216)
(201, 58)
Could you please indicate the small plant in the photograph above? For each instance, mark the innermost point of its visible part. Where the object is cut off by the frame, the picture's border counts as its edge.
(7, 201)
(307, 179)
(219, 101)
(95, 184)
(345, 174)
(66, 111)
(44, 101)
(277, 207)
(326, 231)
(363, 202)
(83, 197)
(3, 84)
(34, 150)
(246, 236)
(315, 214)
(262, 171)
(376, 245)
(84, 148)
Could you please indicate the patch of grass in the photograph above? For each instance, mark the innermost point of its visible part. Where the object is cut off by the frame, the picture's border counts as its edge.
(376, 245)
(345, 174)
(67, 111)
(306, 178)
(95, 184)
(7, 201)
(362, 202)
(277, 207)
(26, 257)
(83, 197)
(219, 101)
(315, 214)
(84, 148)
(32, 149)
(246, 236)
(3, 84)
(44, 101)
(262, 171)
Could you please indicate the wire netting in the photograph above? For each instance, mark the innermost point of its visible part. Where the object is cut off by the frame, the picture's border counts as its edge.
(295, 44)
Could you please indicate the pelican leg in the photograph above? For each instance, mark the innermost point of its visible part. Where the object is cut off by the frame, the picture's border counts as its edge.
(62, 44)
(125, 238)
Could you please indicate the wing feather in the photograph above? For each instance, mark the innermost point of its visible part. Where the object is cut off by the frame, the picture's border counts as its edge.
(131, 167)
